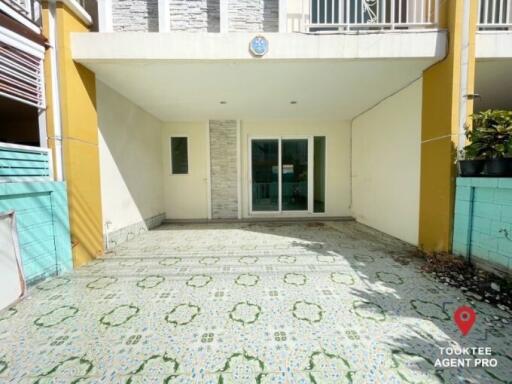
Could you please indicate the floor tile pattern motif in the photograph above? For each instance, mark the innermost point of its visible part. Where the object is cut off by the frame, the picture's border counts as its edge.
(246, 303)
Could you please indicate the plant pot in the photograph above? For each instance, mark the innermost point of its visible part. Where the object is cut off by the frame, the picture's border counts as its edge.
(499, 167)
(471, 168)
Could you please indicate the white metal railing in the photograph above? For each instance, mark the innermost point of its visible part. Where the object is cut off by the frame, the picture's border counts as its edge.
(329, 15)
(495, 15)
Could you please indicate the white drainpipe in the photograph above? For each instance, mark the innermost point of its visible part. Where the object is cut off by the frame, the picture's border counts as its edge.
(464, 71)
(56, 112)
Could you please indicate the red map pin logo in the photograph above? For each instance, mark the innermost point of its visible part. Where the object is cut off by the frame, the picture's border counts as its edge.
(464, 317)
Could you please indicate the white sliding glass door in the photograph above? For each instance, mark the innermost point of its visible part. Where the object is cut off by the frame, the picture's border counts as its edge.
(280, 175)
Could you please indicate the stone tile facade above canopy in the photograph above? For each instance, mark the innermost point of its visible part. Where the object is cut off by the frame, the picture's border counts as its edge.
(194, 15)
(135, 15)
(253, 15)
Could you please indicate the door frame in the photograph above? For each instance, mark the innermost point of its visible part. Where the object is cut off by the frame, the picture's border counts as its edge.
(279, 211)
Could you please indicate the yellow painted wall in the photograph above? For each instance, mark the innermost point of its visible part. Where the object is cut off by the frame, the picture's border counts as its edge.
(439, 136)
(80, 138)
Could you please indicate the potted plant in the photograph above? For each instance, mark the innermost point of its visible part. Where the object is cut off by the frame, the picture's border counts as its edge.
(469, 165)
(491, 139)
(470, 160)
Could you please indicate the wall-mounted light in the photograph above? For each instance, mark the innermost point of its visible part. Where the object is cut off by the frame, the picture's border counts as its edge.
(223, 102)
(293, 102)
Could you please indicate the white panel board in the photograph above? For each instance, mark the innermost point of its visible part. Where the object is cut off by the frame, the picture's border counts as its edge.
(12, 283)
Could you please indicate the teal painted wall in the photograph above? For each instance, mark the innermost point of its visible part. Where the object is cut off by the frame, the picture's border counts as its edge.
(483, 221)
(43, 226)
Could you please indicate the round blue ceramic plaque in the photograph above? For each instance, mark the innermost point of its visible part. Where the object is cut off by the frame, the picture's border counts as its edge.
(258, 46)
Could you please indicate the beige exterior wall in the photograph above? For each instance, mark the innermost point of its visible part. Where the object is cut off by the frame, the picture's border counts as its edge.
(386, 165)
(186, 196)
(337, 175)
(130, 160)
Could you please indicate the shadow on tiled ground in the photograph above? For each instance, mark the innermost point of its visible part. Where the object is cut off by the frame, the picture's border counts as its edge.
(242, 303)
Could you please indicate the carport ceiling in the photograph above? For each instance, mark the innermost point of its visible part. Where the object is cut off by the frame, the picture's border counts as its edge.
(194, 90)
(494, 84)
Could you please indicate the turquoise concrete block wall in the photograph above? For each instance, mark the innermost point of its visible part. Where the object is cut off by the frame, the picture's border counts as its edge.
(43, 226)
(483, 221)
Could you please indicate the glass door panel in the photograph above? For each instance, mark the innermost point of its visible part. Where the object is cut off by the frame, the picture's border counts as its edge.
(294, 168)
(319, 174)
(265, 176)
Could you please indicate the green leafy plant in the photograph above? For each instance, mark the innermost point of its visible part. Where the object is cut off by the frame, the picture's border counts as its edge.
(491, 135)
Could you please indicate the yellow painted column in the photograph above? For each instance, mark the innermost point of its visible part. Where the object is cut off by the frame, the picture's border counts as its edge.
(441, 127)
(80, 152)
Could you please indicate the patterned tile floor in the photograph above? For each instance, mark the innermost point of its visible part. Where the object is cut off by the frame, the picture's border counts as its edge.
(247, 303)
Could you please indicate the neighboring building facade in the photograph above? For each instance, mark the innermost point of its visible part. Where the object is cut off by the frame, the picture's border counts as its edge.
(22, 48)
(483, 208)
(27, 183)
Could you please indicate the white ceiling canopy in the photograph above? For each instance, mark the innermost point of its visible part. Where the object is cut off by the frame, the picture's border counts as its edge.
(180, 77)
(179, 91)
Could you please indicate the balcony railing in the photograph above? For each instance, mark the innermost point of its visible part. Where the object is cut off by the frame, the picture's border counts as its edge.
(23, 10)
(332, 15)
(495, 15)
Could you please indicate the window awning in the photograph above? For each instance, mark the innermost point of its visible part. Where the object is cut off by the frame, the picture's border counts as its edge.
(21, 76)
(21, 63)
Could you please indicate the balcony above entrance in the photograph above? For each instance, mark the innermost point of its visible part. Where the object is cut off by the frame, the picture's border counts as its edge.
(305, 16)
